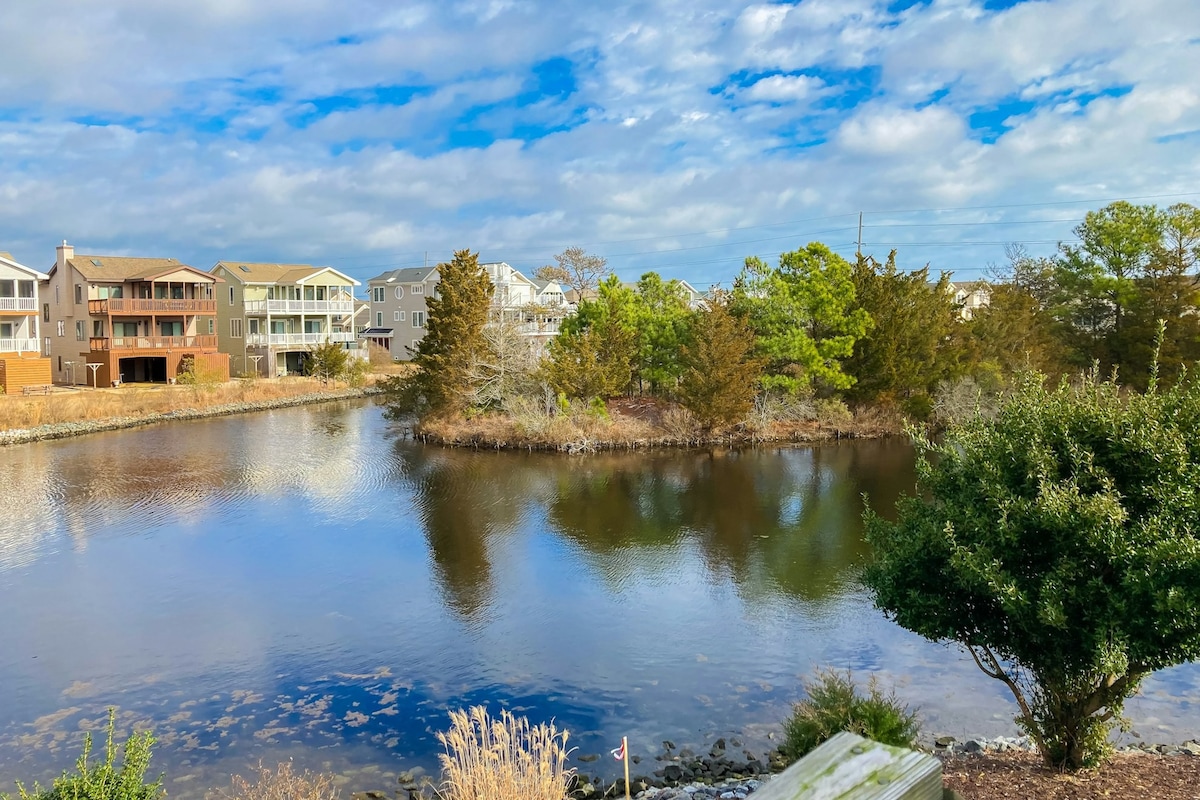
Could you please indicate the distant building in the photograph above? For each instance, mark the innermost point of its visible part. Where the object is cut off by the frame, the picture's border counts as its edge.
(270, 316)
(22, 362)
(970, 296)
(398, 311)
(135, 319)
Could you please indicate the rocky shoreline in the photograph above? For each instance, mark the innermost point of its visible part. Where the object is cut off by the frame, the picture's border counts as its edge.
(63, 430)
(727, 772)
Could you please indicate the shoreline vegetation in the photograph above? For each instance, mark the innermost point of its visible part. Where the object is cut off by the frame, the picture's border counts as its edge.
(68, 412)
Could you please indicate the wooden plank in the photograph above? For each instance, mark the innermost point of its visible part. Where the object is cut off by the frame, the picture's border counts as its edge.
(849, 767)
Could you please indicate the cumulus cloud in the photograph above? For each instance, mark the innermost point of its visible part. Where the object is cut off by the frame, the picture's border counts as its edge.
(678, 135)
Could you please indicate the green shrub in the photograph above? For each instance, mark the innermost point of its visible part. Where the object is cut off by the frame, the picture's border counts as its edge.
(104, 781)
(834, 705)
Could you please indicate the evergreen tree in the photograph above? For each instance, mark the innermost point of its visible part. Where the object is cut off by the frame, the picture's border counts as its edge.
(720, 370)
(593, 354)
(453, 343)
(662, 318)
(915, 341)
(803, 317)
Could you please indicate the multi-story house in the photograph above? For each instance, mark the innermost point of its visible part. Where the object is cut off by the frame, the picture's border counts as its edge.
(970, 297)
(397, 309)
(134, 319)
(21, 361)
(270, 316)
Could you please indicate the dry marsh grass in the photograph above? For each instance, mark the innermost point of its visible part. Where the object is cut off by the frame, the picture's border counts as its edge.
(282, 784)
(504, 759)
(88, 405)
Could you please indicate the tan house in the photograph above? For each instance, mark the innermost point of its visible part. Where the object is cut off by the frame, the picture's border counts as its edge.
(970, 297)
(270, 316)
(21, 361)
(397, 309)
(134, 319)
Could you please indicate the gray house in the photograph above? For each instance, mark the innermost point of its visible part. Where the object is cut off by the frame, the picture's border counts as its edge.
(396, 308)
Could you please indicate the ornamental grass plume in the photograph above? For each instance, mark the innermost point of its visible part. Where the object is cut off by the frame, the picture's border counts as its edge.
(504, 759)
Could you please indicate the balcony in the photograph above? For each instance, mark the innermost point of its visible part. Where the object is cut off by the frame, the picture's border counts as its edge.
(154, 343)
(121, 305)
(296, 339)
(19, 346)
(18, 304)
(299, 306)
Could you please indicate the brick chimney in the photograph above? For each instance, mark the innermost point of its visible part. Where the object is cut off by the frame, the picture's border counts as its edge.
(65, 253)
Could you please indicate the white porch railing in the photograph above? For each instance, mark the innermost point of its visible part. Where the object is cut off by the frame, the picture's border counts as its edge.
(18, 304)
(19, 346)
(300, 306)
(296, 339)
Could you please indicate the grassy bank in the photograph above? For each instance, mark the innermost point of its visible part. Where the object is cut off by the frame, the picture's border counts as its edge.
(70, 411)
(640, 423)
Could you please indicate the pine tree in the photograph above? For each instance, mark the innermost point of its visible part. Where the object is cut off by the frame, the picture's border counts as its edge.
(720, 373)
(453, 341)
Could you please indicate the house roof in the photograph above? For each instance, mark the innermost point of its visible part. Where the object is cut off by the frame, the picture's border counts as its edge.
(255, 272)
(125, 268)
(12, 262)
(406, 275)
(970, 286)
(376, 332)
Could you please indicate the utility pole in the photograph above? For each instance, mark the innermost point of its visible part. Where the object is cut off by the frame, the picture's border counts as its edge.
(859, 251)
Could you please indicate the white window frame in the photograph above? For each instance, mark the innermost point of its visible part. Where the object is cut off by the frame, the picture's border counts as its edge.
(418, 319)
(230, 295)
(399, 292)
(376, 294)
(395, 316)
(235, 328)
(80, 333)
(400, 318)
(62, 328)
(418, 288)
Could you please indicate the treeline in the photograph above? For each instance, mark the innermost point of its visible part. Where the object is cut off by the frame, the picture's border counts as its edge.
(817, 327)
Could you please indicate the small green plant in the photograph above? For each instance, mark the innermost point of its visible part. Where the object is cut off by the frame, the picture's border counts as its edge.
(198, 374)
(502, 759)
(104, 781)
(282, 784)
(834, 705)
(597, 409)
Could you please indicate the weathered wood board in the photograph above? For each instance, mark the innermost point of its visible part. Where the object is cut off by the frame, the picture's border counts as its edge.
(849, 767)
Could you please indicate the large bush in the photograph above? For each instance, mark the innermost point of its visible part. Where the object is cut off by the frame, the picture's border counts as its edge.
(1059, 543)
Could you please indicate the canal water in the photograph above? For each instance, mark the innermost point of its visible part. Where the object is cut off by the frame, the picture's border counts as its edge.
(307, 584)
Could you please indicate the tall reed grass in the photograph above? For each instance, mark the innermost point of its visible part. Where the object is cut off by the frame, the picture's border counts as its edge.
(282, 784)
(82, 405)
(504, 759)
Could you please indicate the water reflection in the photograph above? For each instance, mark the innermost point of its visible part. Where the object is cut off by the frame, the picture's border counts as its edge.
(304, 584)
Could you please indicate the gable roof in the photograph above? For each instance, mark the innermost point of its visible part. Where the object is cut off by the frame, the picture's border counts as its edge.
(405, 275)
(254, 272)
(7, 258)
(125, 268)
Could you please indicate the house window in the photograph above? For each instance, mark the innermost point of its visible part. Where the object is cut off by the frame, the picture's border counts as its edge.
(8, 288)
(415, 344)
(211, 323)
(395, 316)
(55, 296)
(399, 292)
(45, 312)
(400, 316)
(230, 295)
(418, 288)
(62, 328)
(25, 289)
(78, 293)
(377, 294)
(46, 346)
(170, 329)
(79, 332)
(418, 319)
(6, 330)
(378, 319)
(253, 327)
(235, 328)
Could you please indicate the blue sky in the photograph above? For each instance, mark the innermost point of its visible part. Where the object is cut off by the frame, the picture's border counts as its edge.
(678, 135)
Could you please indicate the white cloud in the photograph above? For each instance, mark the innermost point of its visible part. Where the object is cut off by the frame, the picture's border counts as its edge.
(689, 116)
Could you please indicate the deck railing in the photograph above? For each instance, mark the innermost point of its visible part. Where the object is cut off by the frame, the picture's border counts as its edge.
(299, 306)
(121, 305)
(19, 345)
(18, 304)
(154, 343)
(296, 339)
